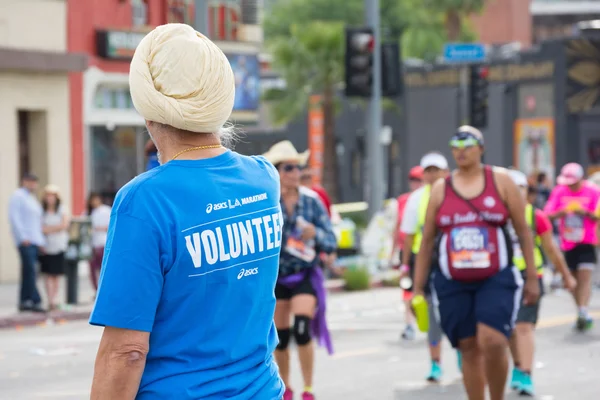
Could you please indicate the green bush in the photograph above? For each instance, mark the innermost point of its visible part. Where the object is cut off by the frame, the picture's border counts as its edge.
(391, 282)
(357, 279)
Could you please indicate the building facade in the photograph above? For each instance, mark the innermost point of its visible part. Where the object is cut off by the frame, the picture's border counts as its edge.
(558, 18)
(34, 106)
(109, 135)
(504, 21)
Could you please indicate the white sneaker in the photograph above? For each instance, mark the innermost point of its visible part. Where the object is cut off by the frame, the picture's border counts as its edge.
(408, 333)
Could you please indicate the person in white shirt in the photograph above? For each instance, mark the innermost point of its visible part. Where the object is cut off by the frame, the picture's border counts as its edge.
(100, 217)
(52, 258)
(25, 216)
(435, 166)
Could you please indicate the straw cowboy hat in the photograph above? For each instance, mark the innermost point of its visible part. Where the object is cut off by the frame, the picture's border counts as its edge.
(52, 189)
(285, 151)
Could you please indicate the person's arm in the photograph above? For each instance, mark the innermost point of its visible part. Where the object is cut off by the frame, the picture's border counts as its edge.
(126, 310)
(423, 261)
(15, 216)
(323, 231)
(516, 207)
(550, 209)
(557, 259)
(119, 364)
(409, 226)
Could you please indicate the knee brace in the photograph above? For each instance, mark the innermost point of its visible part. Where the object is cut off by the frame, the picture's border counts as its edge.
(302, 330)
(284, 338)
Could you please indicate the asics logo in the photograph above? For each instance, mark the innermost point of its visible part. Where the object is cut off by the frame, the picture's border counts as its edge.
(247, 272)
(216, 206)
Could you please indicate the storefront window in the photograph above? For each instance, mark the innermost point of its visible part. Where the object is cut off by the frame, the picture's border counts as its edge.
(117, 157)
(113, 98)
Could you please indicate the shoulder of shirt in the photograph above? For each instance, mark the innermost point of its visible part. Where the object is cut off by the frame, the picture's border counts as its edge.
(127, 192)
(303, 190)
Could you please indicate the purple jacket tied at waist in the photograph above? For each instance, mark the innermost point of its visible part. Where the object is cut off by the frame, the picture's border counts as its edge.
(319, 323)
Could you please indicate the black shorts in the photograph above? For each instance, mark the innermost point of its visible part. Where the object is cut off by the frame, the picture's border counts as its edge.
(530, 313)
(52, 264)
(304, 287)
(581, 256)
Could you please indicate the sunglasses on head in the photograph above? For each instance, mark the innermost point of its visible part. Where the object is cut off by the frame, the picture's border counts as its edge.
(291, 167)
(465, 140)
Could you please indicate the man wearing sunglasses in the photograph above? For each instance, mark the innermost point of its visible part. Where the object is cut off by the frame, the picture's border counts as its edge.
(475, 285)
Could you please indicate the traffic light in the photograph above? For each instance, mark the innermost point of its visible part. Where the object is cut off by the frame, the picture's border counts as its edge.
(359, 61)
(479, 95)
(391, 70)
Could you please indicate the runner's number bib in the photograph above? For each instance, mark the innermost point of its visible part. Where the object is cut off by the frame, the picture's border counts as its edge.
(573, 228)
(469, 248)
(299, 249)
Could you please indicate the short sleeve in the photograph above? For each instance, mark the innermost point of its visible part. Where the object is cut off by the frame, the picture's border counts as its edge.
(552, 203)
(410, 214)
(542, 223)
(131, 281)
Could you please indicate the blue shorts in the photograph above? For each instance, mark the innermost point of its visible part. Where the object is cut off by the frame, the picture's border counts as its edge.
(493, 302)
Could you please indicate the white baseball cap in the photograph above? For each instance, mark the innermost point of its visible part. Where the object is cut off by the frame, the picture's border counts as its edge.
(434, 160)
(518, 177)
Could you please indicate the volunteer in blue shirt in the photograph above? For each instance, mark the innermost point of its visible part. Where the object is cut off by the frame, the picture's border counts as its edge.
(300, 288)
(191, 260)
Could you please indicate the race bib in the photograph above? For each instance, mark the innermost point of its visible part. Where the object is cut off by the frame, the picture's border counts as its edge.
(298, 248)
(573, 228)
(469, 248)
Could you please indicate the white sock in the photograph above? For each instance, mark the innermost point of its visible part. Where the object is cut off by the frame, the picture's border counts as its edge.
(583, 311)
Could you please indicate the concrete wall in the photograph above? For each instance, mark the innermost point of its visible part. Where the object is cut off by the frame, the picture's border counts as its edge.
(33, 24)
(48, 97)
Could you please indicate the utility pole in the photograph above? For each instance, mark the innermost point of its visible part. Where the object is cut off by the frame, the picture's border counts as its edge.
(374, 148)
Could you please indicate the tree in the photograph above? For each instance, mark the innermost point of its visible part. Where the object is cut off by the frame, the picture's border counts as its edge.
(310, 61)
(306, 40)
(455, 12)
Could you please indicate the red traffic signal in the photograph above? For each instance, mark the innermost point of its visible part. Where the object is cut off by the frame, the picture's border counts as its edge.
(363, 42)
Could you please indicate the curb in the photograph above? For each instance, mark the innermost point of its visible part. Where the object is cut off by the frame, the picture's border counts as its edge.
(19, 322)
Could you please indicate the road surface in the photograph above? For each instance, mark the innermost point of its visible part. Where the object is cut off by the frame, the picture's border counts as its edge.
(370, 363)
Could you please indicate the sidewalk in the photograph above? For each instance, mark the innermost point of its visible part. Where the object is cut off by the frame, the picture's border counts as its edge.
(10, 317)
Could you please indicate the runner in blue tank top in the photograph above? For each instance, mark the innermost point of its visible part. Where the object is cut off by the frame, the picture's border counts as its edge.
(187, 287)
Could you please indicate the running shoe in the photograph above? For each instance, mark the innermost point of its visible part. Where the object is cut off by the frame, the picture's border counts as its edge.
(526, 388)
(408, 333)
(584, 323)
(288, 394)
(308, 396)
(435, 375)
(516, 382)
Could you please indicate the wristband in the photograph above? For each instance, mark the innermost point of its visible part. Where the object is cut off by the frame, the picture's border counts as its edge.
(404, 268)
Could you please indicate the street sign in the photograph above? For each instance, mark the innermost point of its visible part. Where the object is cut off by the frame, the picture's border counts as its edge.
(464, 52)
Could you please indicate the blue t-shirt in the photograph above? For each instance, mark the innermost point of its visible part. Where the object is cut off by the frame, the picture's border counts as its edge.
(192, 257)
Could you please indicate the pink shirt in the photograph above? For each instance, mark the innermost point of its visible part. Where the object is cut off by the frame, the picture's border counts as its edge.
(575, 229)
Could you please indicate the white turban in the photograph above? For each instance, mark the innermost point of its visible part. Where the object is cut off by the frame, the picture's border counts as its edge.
(178, 77)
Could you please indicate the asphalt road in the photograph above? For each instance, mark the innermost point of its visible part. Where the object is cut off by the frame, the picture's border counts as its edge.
(370, 362)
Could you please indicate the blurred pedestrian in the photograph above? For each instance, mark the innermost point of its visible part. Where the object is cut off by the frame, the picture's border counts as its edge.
(475, 284)
(186, 295)
(52, 259)
(25, 216)
(300, 290)
(415, 181)
(100, 217)
(307, 180)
